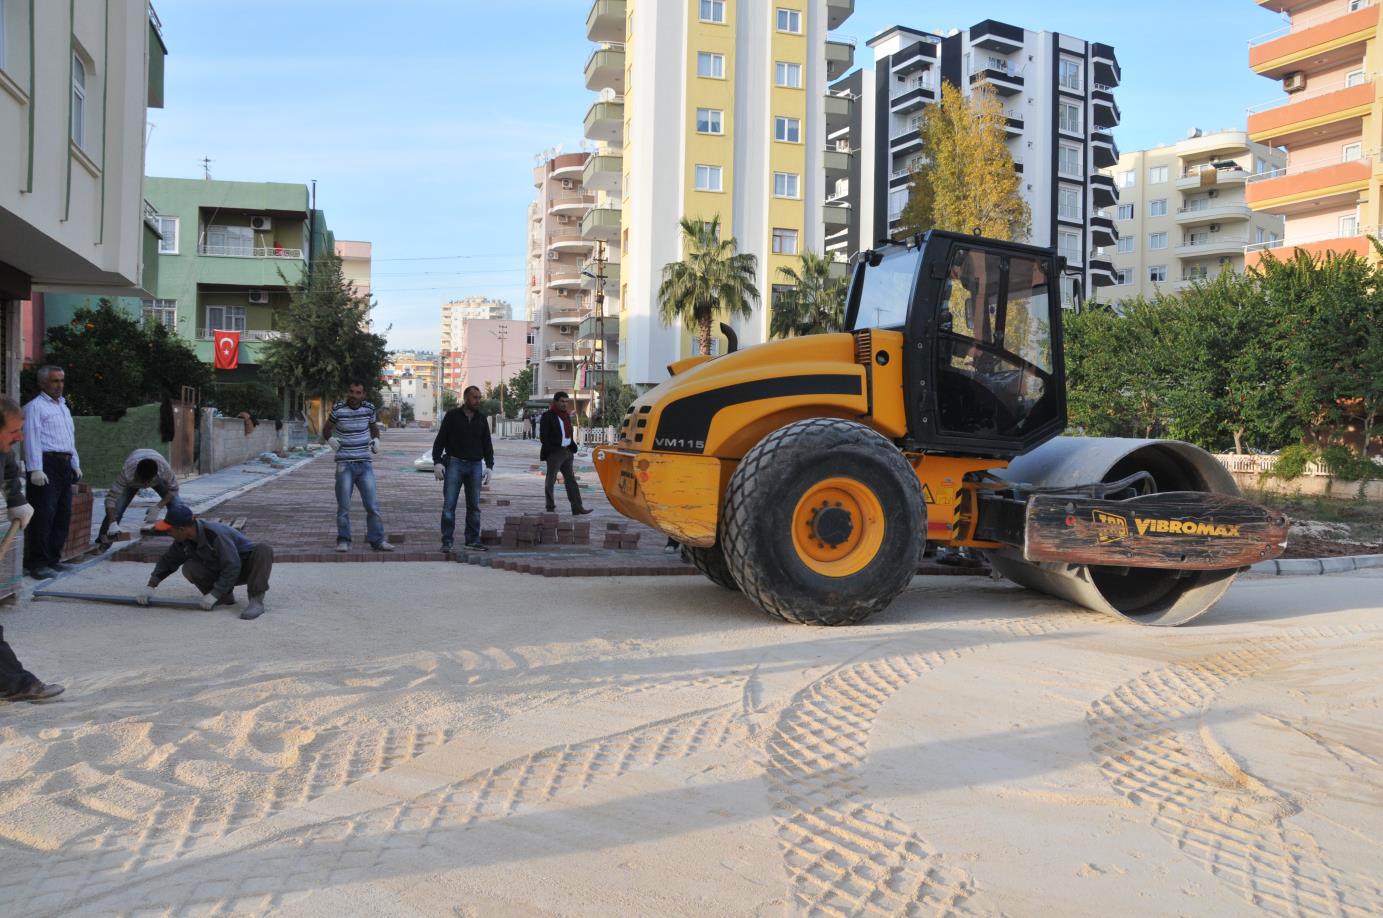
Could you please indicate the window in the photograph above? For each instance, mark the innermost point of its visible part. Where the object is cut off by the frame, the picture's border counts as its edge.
(784, 241)
(788, 130)
(708, 121)
(1068, 203)
(1157, 175)
(1068, 246)
(1351, 151)
(168, 228)
(1356, 5)
(224, 318)
(789, 20)
(1126, 179)
(1157, 208)
(712, 10)
(708, 178)
(1125, 212)
(78, 101)
(787, 74)
(1127, 244)
(1157, 274)
(710, 65)
(1070, 76)
(229, 240)
(1068, 116)
(164, 312)
(786, 185)
(1068, 161)
(1349, 226)
(1157, 240)
(1355, 77)
(1123, 277)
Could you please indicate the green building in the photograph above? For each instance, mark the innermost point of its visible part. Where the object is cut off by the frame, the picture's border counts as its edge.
(229, 252)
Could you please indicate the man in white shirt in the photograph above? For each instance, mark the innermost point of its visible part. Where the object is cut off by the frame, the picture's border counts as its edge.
(50, 455)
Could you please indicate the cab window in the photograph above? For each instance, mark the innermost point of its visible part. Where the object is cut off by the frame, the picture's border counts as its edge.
(886, 292)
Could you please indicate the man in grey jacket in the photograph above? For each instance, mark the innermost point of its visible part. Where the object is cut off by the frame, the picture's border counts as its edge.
(214, 558)
(143, 468)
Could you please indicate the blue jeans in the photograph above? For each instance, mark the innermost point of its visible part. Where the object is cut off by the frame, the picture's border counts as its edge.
(360, 474)
(460, 472)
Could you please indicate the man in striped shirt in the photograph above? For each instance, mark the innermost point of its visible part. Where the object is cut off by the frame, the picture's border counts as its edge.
(351, 431)
(50, 455)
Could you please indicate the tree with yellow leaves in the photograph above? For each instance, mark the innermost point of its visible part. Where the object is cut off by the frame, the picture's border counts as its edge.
(966, 182)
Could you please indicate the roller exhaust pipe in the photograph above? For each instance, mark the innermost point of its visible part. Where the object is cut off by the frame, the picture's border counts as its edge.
(1146, 596)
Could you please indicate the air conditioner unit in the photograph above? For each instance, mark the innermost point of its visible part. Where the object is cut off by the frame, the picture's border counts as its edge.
(261, 224)
(1214, 227)
(1225, 259)
(567, 184)
(1212, 193)
(563, 219)
(1294, 82)
(259, 296)
(553, 255)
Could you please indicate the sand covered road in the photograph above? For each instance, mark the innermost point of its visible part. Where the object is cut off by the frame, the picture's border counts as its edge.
(442, 739)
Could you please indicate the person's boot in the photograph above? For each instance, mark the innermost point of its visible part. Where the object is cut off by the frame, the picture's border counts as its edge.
(36, 692)
(253, 609)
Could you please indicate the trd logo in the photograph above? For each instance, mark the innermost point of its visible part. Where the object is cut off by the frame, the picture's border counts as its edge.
(1109, 527)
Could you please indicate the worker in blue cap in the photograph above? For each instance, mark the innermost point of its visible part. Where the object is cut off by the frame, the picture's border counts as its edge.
(215, 558)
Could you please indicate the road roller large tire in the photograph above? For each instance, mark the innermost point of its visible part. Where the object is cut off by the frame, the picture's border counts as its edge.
(823, 522)
(711, 562)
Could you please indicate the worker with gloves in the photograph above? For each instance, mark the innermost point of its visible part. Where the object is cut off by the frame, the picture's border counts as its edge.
(352, 432)
(215, 559)
(462, 455)
(143, 468)
(50, 455)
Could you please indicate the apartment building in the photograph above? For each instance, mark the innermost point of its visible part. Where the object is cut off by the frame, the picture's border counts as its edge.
(356, 263)
(1329, 118)
(454, 316)
(1058, 95)
(1182, 214)
(708, 108)
(487, 352)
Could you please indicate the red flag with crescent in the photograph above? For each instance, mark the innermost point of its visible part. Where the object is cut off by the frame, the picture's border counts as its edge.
(227, 349)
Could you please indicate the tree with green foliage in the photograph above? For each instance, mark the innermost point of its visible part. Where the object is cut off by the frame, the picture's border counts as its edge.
(966, 182)
(517, 391)
(814, 301)
(714, 280)
(620, 398)
(327, 341)
(449, 400)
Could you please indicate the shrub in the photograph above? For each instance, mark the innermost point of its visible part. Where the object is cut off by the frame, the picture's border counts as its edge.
(1292, 462)
(232, 398)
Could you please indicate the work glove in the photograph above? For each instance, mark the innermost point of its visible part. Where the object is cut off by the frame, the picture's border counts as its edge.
(143, 596)
(334, 443)
(374, 445)
(76, 475)
(112, 531)
(150, 517)
(38, 479)
(485, 478)
(440, 471)
(207, 601)
(20, 515)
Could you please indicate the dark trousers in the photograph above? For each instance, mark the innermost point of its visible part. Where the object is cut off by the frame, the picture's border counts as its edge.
(254, 571)
(122, 504)
(559, 460)
(13, 676)
(46, 533)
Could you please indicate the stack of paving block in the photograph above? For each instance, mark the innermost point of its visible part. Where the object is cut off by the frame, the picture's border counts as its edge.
(79, 529)
(489, 537)
(581, 533)
(616, 536)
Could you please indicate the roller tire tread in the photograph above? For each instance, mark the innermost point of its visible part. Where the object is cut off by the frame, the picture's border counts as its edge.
(711, 562)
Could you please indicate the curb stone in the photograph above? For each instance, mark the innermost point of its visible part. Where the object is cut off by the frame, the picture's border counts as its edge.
(1289, 567)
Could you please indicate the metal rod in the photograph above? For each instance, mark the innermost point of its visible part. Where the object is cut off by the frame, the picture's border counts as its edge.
(118, 599)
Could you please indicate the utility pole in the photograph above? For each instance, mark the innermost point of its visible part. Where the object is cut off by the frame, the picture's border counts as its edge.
(502, 334)
(600, 329)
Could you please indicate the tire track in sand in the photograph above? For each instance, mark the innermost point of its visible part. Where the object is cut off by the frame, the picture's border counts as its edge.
(1150, 739)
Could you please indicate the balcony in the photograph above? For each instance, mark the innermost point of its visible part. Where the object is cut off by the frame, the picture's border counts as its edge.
(605, 68)
(920, 56)
(1102, 231)
(1102, 271)
(837, 11)
(1104, 111)
(1320, 244)
(572, 203)
(1210, 177)
(905, 143)
(601, 224)
(560, 353)
(1195, 215)
(562, 318)
(591, 330)
(1104, 150)
(997, 36)
(835, 216)
(568, 238)
(840, 110)
(1316, 185)
(840, 56)
(912, 97)
(605, 122)
(238, 251)
(248, 334)
(1214, 245)
(1013, 121)
(563, 276)
(1004, 82)
(836, 162)
(1318, 44)
(1105, 65)
(603, 172)
(605, 21)
(1300, 119)
(1102, 190)
(238, 266)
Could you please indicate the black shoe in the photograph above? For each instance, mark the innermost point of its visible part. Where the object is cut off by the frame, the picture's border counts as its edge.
(227, 600)
(551, 509)
(446, 548)
(62, 567)
(43, 573)
(38, 692)
(582, 511)
(476, 546)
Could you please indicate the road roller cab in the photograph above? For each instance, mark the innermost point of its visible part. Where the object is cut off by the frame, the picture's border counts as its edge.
(810, 472)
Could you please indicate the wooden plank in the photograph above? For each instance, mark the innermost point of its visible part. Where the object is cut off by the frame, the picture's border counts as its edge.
(1176, 530)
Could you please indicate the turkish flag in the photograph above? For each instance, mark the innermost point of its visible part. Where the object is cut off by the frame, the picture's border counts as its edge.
(227, 349)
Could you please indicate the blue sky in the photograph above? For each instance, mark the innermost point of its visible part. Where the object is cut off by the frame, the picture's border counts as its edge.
(420, 119)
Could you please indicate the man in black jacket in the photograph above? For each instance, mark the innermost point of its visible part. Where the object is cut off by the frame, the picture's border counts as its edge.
(16, 682)
(559, 448)
(462, 455)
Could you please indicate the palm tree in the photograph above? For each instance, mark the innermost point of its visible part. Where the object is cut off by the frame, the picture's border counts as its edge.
(814, 304)
(713, 277)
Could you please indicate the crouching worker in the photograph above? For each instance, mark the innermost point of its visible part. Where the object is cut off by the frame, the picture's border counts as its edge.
(143, 468)
(215, 558)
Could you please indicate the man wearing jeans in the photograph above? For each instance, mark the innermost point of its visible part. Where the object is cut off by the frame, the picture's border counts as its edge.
(50, 454)
(462, 455)
(351, 431)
